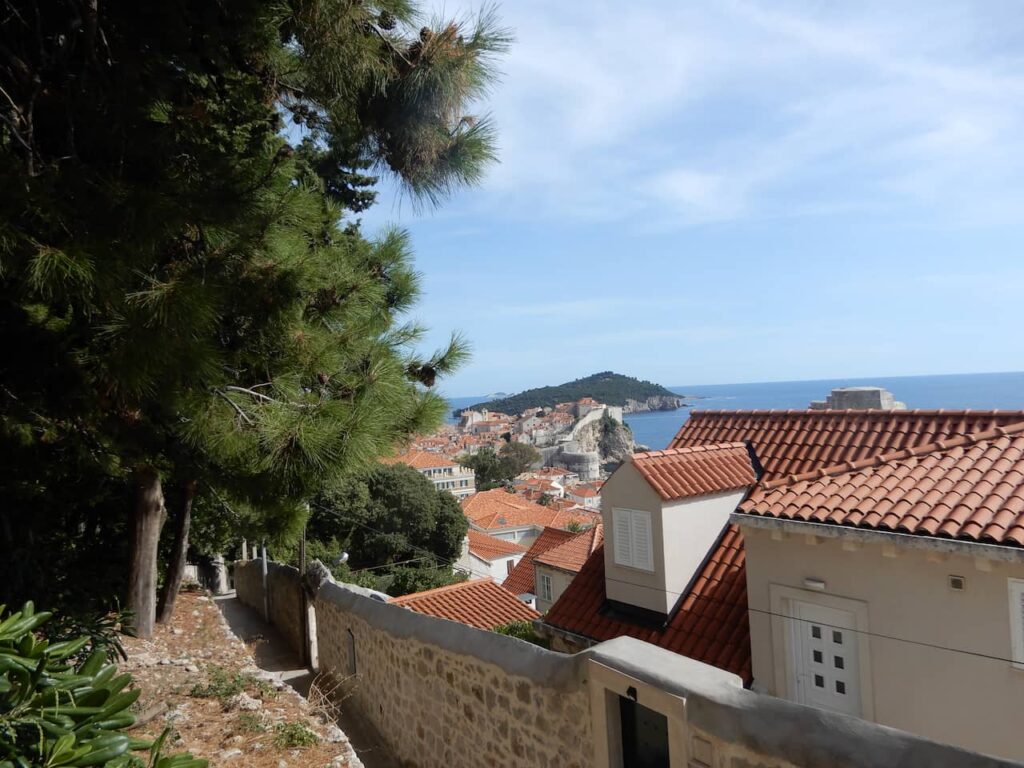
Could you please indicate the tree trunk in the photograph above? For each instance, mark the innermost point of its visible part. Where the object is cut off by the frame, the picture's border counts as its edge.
(145, 536)
(176, 567)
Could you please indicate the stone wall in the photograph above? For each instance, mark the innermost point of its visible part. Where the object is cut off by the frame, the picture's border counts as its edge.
(286, 608)
(285, 590)
(248, 577)
(439, 694)
(442, 694)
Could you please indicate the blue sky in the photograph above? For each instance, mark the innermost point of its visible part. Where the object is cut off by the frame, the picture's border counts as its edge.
(717, 192)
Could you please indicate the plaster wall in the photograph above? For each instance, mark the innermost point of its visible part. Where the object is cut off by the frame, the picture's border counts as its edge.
(682, 534)
(969, 696)
(559, 583)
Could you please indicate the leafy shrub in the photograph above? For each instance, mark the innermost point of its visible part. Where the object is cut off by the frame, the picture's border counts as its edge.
(522, 630)
(58, 712)
(294, 734)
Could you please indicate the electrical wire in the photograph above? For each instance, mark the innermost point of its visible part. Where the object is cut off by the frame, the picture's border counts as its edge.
(880, 635)
(427, 553)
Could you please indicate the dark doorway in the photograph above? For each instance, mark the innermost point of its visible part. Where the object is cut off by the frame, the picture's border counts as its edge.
(644, 736)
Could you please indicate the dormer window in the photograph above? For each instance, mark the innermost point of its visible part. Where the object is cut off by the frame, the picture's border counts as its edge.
(632, 532)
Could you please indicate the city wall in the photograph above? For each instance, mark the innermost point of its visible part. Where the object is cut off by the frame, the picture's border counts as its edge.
(439, 693)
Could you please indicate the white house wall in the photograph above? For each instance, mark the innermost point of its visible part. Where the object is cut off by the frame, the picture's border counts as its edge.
(968, 696)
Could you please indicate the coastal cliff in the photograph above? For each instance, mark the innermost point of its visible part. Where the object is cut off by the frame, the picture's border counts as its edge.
(653, 403)
(611, 440)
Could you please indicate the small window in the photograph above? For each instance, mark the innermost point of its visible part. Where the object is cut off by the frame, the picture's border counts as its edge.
(839, 662)
(632, 538)
(544, 587)
(509, 565)
(816, 632)
(819, 681)
(818, 657)
(837, 638)
(840, 687)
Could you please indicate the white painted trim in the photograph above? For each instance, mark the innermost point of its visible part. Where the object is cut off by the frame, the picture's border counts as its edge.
(632, 515)
(1016, 597)
(606, 685)
(781, 598)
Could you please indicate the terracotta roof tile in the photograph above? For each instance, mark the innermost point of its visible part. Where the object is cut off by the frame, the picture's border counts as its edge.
(480, 603)
(497, 509)
(488, 547)
(521, 580)
(419, 460)
(712, 619)
(695, 470)
(710, 625)
(792, 442)
(572, 554)
(969, 487)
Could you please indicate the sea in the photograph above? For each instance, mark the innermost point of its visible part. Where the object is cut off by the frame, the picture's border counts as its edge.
(970, 390)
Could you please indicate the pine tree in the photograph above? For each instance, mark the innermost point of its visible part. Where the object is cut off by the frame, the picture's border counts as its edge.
(193, 303)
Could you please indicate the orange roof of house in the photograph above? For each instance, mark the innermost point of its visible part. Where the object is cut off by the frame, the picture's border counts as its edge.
(715, 628)
(489, 548)
(480, 603)
(969, 487)
(572, 554)
(789, 442)
(678, 473)
(710, 624)
(582, 492)
(521, 580)
(497, 509)
(420, 460)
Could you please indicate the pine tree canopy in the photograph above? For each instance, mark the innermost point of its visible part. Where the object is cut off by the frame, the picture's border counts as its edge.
(183, 282)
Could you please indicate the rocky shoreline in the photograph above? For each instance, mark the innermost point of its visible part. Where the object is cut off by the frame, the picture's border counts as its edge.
(655, 403)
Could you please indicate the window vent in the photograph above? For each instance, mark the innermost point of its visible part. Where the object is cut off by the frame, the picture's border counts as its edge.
(957, 583)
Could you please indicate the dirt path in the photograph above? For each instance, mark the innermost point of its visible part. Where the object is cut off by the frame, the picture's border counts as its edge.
(220, 704)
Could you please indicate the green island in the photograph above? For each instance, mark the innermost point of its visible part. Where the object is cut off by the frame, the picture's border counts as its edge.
(606, 387)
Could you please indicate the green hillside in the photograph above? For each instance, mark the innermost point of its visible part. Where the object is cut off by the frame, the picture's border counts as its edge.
(606, 387)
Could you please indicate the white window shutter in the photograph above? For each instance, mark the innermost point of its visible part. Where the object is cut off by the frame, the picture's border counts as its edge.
(623, 536)
(642, 556)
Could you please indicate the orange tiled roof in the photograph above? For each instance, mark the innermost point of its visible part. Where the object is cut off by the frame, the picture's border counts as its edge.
(969, 487)
(786, 442)
(678, 473)
(710, 624)
(521, 579)
(480, 603)
(488, 547)
(789, 442)
(419, 460)
(582, 492)
(572, 554)
(497, 509)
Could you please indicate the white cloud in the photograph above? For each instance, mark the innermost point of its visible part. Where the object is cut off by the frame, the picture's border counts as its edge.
(666, 113)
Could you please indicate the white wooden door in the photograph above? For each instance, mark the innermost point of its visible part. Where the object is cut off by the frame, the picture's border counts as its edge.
(825, 658)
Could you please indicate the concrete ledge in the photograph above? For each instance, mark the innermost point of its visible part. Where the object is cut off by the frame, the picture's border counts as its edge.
(515, 657)
(717, 704)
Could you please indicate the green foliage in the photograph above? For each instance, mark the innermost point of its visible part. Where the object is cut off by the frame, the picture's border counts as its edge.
(522, 630)
(222, 684)
(401, 533)
(516, 458)
(182, 283)
(496, 470)
(605, 387)
(294, 734)
(250, 722)
(55, 711)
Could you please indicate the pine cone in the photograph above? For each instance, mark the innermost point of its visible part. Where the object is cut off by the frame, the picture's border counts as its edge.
(425, 34)
(386, 20)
